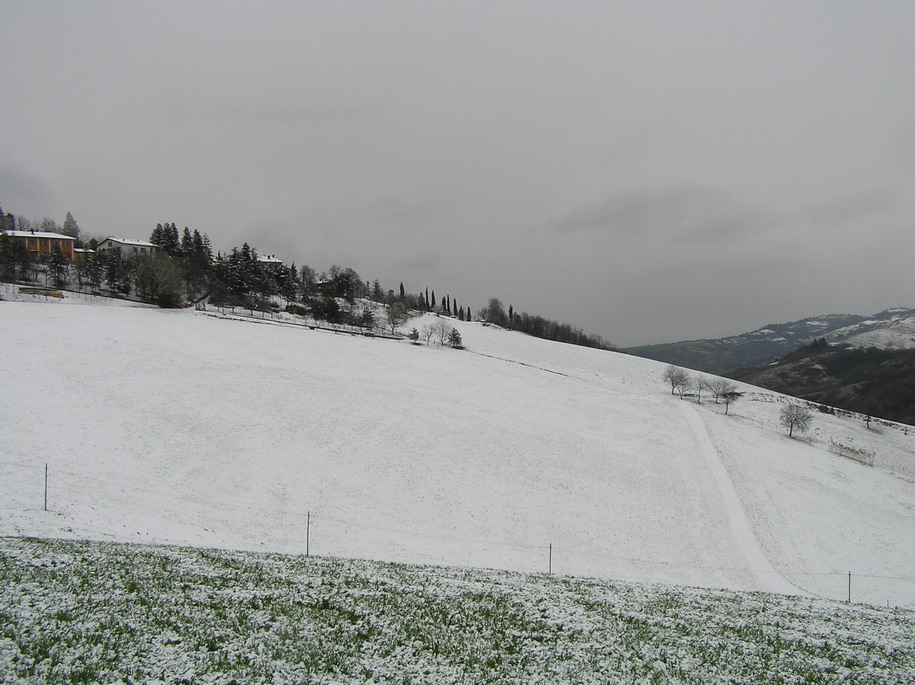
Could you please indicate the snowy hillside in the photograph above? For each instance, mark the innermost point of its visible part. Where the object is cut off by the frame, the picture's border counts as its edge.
(893, 329)
(197, 429)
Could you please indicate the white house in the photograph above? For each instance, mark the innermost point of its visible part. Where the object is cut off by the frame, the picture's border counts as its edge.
(270, 262)
(127, 248)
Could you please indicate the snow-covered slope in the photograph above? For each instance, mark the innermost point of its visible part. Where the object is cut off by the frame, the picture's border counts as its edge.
(893, 329)
(191, 428)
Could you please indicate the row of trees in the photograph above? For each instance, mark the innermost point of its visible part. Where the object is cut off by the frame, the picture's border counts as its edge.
(10, 222)
(794, 417)
(682, 383)
(540, 327)
(439, 332)
(186, 270)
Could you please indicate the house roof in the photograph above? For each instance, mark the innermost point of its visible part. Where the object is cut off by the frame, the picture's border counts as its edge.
(125, 241)
(39, 234)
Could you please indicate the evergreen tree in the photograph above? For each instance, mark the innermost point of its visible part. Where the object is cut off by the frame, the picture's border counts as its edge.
(454, 339)
(173, 242)
(58, 266)
(156, 237)
(187, 243)
(403, 294)
(433, 299)
(71, 228)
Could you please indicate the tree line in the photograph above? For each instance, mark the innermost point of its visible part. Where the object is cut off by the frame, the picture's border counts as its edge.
(793, 417)
(184, 270)
(538, 326)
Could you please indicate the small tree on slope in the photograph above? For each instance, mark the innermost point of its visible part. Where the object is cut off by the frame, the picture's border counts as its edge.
(795, 417)
(677, 377)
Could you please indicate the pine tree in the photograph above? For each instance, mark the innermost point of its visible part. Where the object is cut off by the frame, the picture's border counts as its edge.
(156, 237)
(433, 299)
(403, 294)
(454, 339)
(70, 227)
(57, 266)
(187, 243)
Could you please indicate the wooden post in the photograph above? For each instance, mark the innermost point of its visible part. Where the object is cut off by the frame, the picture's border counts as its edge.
(551, 558)
(45, 487)
(849, 587)
(307, 534)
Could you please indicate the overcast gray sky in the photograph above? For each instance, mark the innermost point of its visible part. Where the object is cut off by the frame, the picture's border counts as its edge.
(648, 171)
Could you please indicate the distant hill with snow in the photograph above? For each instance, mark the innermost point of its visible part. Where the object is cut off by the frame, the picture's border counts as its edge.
(872, 380)
(214, 430)
(890, 329)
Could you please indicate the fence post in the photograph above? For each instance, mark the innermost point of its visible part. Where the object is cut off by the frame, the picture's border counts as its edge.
(551, 558)
(45, 487)
(849, 587)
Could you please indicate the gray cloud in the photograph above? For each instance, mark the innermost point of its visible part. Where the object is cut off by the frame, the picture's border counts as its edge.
(856, 207)
(392, 211)
(646, 171)
(24, 192)
(682, 214)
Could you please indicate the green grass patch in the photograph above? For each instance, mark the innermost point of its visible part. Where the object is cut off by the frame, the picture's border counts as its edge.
(101, 612)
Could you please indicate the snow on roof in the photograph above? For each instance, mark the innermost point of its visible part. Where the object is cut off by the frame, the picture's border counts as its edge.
(125, 241)
(39, 234)
(271, 259)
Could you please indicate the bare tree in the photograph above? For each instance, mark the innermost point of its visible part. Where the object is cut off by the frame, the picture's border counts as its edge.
(795, 417)
(396, 314)
(494, 312)
(698, 384)
(678, 379)
(441, 329)
(427, 333)
(721, 387)
(730, 396)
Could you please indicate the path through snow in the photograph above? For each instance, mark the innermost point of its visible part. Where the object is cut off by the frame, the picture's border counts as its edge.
(767, 578)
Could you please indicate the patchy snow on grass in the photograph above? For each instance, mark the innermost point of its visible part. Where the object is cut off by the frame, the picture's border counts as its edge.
(105, 612)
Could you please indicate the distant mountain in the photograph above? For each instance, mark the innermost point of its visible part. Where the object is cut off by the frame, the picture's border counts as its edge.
(872, 381)
(893, 329)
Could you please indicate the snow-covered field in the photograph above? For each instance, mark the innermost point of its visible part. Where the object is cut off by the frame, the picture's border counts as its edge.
(195, 429)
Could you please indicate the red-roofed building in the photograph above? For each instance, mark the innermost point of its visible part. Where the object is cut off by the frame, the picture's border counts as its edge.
(41, 243)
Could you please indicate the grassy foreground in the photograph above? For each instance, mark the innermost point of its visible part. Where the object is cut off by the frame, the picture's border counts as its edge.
(75, 612)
